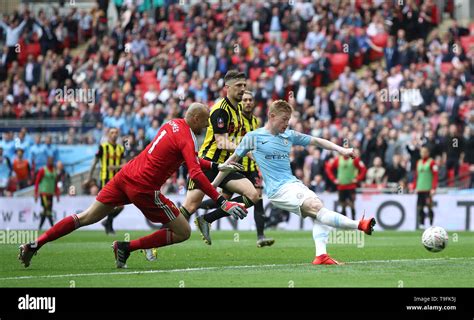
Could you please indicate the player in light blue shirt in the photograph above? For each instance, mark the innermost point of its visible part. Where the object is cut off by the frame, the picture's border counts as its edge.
(270, 146)
(272, 155)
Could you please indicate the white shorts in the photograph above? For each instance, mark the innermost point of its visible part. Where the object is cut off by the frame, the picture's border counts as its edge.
(290, 197)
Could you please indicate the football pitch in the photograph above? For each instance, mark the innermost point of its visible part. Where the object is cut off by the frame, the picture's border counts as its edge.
(385, 259)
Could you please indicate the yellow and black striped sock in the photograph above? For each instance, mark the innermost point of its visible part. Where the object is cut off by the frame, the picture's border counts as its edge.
(184, 212)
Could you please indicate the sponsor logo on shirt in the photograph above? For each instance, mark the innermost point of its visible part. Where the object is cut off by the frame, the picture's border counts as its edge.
(277, 156)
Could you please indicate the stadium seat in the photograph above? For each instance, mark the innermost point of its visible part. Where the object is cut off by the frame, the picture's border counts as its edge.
(235, 59)
(245, 38)
(154, 51)
(34, 48)
(358, 30)
(22, 55)
(381, 41)
(109, 72)
(468, 88)
(177, 27)
(146, 76)
(317, 80)
(466, 42)
(338, 62)
(254, 73)
(446, 67)
(357, 62)
(219, 17)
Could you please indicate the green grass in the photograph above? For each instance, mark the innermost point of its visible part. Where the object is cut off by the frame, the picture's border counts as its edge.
(388, 259)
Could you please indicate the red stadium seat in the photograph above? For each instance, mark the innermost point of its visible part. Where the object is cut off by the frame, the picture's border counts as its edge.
(338, 62)
(358, 30)
(381, 41)
(108, 72)
(317, 80)
(146, 76)
(177, 27)
(235, 60)
(254, 73)
(357, 62)
(31, 48)
(466, 42)
(245, 38)
(154, 51)
(219, 17)
(284, 35)
(338, 44)
(446, 67)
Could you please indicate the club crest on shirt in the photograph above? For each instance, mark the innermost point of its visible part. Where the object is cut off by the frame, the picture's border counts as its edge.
(231, 128)
(285, 142)
(220, 122)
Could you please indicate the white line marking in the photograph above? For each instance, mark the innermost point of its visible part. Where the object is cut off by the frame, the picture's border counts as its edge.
(219, 268)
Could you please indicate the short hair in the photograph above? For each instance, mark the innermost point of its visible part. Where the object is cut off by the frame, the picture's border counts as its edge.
(234, 75)
(280, 106)
(248, 92)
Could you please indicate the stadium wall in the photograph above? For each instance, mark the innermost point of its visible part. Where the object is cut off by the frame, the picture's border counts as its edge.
(393, 212)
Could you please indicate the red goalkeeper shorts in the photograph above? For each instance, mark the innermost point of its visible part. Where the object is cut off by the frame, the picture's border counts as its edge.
(154, 206)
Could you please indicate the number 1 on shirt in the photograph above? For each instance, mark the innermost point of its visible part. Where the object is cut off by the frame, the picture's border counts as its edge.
(162, 134)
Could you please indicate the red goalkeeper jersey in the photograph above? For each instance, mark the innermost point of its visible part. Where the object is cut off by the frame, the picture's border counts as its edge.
(173, 145)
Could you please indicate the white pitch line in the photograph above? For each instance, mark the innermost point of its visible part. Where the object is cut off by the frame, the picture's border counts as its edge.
(219, 268)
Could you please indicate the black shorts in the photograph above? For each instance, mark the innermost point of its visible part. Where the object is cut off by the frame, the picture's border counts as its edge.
(211, 175)
(47, 203)
(424, 199)
(253, 176)
(345, 195)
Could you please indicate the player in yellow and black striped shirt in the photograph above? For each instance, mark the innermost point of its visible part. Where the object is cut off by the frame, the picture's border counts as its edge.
(222, 137)
(110, 155)
(249, 123)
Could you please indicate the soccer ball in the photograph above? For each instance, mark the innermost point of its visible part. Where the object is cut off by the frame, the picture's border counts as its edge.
(435, 239)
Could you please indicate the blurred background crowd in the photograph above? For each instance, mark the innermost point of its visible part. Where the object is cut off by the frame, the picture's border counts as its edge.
(383, 76)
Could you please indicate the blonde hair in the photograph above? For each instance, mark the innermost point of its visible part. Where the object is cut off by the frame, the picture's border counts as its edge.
(280, 106)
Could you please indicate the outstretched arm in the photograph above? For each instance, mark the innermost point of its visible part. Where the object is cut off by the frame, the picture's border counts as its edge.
(328, 145)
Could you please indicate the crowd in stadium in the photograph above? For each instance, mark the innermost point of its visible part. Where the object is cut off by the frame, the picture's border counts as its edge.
(378, 76)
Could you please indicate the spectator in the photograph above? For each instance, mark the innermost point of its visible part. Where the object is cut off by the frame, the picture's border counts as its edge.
(396, 174)
(454, 150)
(318, 185)
(13, 32)
(38, 154)
(5, 172)
(469, 156)
(51, 149)
(22, 170)
(48, 39)
(8, 145)
(32, 72)
(153, 130)
(64, 179)
(207, 64)
(376, 174)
